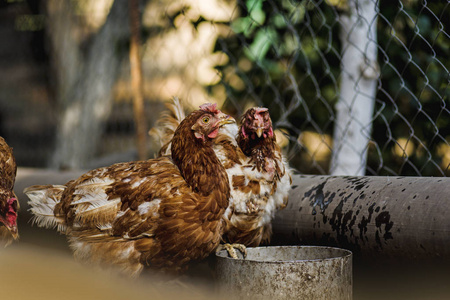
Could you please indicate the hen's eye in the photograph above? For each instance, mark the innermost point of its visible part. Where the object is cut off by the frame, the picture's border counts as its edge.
(205, 120)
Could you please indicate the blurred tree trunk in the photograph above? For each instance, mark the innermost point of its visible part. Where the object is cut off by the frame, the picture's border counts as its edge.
(359, 75)
(136, 80)
(85, 91)
(66, 55)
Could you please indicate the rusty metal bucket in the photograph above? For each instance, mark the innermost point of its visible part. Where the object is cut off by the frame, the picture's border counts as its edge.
(287, 272)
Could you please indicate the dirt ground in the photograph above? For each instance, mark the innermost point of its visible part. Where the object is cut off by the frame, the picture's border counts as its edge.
(40, 266)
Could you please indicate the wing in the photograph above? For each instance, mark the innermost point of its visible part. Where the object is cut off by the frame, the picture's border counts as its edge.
(256, 195)
(130, 215)
(119, 199)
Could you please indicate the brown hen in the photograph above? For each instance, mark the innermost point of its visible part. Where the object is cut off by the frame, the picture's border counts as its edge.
(9, 205)
(267, 174)
(259, 176)
(160, 213)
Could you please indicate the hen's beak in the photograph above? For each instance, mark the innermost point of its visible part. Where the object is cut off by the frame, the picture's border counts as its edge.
(11, 228)
(259, 131)
(226, 119)
(14, 231)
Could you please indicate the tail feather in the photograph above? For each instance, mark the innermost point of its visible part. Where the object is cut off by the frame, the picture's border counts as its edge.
(167, 124)
(177, 109)
(43, 199)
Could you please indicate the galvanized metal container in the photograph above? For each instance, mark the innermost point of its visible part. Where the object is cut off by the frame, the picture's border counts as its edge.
(287, 272)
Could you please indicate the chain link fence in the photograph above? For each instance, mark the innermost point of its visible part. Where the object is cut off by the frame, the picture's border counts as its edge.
(329, 72)
(289, 56)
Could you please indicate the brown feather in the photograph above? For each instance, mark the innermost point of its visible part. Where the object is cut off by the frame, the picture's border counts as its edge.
(9, 205)
(258, 174)
(160, 213)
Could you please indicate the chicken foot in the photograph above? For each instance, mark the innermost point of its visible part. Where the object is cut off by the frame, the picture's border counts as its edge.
(231, 249)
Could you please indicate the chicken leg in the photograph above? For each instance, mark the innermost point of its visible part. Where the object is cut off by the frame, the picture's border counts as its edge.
(231, 250)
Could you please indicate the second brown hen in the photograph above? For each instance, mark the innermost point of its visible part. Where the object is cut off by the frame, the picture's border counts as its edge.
(267, 175)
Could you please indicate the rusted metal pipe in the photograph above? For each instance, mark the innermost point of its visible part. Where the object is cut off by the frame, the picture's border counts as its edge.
(396, 217)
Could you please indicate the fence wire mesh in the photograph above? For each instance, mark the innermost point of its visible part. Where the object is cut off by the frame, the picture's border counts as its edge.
(289, 56)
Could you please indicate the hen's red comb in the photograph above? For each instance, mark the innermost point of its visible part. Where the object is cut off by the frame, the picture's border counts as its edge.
(260, 109)
(211, 107)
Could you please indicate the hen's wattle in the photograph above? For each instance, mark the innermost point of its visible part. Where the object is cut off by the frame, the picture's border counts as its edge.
(9, 205)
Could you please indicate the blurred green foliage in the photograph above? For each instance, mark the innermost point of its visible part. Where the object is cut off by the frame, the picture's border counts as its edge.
(291, 58)
(413, 96)
(285, 55)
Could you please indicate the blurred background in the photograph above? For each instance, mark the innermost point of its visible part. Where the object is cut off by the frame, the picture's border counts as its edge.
(66, 98)
(353, 87)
